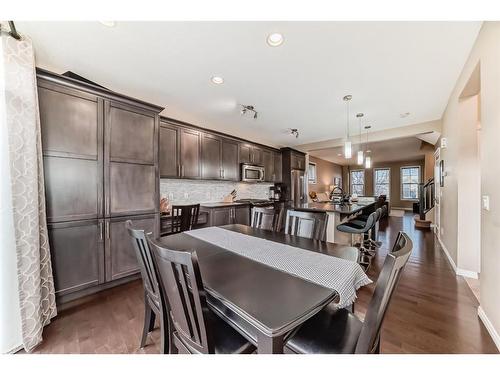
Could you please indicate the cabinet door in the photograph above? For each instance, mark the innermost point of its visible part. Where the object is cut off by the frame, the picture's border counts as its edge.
(242, 215)
(277, 167)
(298, 161)
(77, 254)
(211, 165)
(257, 157)
(131, 134)
(190, 153)
(169, 151)
(72, 138)
(221, 216)
(230, 165)
(267, 162)
(245, 153)
(132, 189)
(121, 259)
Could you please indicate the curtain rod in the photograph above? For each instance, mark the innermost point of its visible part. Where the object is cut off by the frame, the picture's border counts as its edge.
(13, 32)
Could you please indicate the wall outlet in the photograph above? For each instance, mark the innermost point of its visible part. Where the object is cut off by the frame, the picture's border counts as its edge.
(186, 195)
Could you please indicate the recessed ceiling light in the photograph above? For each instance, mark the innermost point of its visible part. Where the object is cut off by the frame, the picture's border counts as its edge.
(275, 39)
(107, 23)
(339, 154)
(403, 115)
(217, 80)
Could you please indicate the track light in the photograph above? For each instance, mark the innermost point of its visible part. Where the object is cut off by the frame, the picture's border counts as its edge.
(294, 133)
(248, 108)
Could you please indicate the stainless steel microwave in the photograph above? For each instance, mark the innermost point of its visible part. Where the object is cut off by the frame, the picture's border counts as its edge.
(252, 173)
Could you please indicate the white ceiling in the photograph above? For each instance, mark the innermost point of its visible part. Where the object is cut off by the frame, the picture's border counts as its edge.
(389, 67)
(400, 149)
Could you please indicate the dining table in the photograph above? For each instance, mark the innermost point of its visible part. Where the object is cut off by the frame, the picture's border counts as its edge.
(264, 303)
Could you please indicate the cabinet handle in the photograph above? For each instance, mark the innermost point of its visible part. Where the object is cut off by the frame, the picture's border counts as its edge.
(107, 229)
(182, 170)
(223, 173)
(101, 228)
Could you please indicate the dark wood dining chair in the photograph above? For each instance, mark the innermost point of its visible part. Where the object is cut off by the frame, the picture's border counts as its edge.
(338, 331)
(152, 302)
(184, 217)
(196, 328)
(306, 224)
(264, 218)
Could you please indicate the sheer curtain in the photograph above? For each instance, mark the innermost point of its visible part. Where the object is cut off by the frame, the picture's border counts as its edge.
(27, 289)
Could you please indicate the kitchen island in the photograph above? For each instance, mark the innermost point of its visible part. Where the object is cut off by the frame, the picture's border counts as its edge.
(337, 213)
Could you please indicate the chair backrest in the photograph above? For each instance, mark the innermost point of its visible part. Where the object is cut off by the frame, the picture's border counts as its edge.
(264, 218)
(306, 224)
(146, 263)
(182, 290)
(184, 217)
(371, 220)
(386, 284)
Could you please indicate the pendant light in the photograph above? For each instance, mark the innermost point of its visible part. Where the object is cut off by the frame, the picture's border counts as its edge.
(368, 158)
(347, 144)
(360, 152)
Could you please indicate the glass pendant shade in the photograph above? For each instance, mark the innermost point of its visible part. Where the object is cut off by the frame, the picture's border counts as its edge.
(368, 162)
(348, 149)
(360, 157)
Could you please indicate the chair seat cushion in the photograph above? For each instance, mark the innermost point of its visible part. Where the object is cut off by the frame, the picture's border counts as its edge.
(349, 227)
(226, 339)
(331, 331)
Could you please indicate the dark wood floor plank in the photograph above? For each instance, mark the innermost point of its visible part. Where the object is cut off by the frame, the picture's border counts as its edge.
(432, 310)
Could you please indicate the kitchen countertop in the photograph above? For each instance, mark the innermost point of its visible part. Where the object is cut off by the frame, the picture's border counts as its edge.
(223, 204)
(346, 209)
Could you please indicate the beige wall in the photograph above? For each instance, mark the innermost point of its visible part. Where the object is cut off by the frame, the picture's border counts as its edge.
(395, 195)
(325, 172)
(486, 52)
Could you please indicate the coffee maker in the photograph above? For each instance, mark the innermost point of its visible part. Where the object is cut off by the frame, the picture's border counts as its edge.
(277, 192)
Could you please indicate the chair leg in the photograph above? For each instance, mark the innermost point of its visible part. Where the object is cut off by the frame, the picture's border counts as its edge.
(149, 322)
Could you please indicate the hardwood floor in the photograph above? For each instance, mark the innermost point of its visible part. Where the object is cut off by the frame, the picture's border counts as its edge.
(432, 310)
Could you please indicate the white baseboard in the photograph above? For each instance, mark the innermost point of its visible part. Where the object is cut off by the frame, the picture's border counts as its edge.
(489, 327)
(467, 273)
(445, 250)
(458, 271)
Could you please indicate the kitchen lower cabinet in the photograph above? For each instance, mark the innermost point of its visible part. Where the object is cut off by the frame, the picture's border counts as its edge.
(241, 215)
(236, 214)
(77, 254)
(121, 259)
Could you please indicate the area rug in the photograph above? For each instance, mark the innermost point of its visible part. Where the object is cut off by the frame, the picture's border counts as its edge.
(397, 213)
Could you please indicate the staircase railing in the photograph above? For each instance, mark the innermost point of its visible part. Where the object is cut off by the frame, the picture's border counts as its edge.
(426, 197)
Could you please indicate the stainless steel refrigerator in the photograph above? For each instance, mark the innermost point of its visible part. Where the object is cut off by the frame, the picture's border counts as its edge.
(298, 187)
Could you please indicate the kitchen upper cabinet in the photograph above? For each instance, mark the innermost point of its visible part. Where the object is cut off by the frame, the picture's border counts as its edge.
(211, 157)
(277, 171)
(130, 134)
(169, 150)
(190, 154)
(268, 163)
(250, 154)
(121, 259)
(230, 165)
(298, 161)
(71, 130)
(77, 253)
(245, 153)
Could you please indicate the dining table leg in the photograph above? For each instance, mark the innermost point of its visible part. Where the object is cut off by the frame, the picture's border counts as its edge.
(269, 345)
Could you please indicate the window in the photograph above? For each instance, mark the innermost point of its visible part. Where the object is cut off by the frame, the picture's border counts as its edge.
(311, 173)
(410, 178)
(358, 182)
(382, 182)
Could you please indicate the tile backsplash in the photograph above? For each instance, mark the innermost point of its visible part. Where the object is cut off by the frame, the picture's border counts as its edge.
(194, 191)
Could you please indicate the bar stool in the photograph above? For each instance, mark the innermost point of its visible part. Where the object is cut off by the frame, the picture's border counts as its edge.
(370, 238)
(360, 228)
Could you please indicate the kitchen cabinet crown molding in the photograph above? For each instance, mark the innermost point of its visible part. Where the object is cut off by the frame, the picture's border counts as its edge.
(95, 90)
